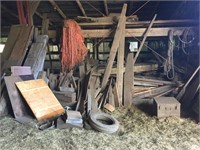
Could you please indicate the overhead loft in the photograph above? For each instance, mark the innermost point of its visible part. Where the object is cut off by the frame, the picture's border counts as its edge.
(59, 10)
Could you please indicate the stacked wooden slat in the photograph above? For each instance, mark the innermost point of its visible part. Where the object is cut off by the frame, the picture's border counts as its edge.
(14, 53)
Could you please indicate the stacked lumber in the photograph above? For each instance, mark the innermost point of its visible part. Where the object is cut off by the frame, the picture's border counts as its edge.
(14, 53)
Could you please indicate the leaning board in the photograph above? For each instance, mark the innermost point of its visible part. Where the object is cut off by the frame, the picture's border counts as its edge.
(40, 99)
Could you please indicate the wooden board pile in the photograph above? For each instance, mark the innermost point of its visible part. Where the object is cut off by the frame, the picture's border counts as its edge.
(63, 86)
(17, 53)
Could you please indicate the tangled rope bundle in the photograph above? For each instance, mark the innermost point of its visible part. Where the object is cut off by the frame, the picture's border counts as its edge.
(169, 63)
(73, 47)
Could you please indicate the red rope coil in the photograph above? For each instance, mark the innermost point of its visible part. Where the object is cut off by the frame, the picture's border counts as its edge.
(73, 47)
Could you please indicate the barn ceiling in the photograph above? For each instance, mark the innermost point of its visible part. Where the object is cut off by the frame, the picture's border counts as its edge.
(143, 9)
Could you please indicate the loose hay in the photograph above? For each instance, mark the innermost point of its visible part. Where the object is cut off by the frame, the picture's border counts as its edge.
(137, 131)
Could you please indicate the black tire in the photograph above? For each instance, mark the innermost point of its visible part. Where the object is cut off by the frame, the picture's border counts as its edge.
(95, 120)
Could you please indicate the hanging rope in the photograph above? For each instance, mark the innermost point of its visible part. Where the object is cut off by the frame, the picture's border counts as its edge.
(73, 48)
(187, 34)
(169, 63)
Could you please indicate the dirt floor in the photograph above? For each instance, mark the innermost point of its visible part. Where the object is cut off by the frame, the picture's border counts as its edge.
(137, 131)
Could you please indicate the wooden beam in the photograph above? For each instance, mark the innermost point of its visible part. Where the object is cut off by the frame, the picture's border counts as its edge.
(53, 3)
(138, 68)
(40, 15)
(134, 32)
(160, 23)
(152, 92)
(106, 7)
(120, 65)
(33, 7)
(9, 11)
(114, 47)
(139, 32)
(144, 39)
(81, 7)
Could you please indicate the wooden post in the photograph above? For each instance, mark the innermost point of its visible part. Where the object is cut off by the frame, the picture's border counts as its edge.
(45, 27)
(120, 64)
(128, 81)
(45, 24)
(114, 47)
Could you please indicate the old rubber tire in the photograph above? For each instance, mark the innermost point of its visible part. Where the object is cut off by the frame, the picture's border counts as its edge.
(95, 120)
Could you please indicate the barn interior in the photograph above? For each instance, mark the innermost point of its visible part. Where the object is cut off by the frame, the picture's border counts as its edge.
(105, 74)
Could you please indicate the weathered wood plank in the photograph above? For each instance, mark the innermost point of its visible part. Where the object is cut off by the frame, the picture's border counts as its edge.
(19, 106)
(106, 7)
(93, 90)
(128, 81)
(21, 70)
(120, 64)
(134, 32)
(81, 7)
(55, 5)
(10, 43)
(137, 68)
(114, 47)
(89, 101)
(36, 55)
(152, 92)
(140, 23)
(190, 92)
(116, 96)
(111, 96)
(20, 48)
(181, 93)
(144, 39)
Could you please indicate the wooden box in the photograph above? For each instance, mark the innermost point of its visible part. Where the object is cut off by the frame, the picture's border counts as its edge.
(167, 106)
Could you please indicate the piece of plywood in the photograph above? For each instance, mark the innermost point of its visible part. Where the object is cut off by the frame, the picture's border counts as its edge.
(40, 99)
(20, 109)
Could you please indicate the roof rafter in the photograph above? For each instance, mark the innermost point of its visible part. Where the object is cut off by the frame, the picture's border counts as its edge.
(9, 11)
(106, 7)
(42, 17)
(53, 3)
(81, 7)
(16, 16)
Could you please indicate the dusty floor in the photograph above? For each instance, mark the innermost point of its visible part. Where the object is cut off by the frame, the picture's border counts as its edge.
(137, 131)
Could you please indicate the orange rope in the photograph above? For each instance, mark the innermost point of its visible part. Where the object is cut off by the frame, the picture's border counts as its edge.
(73, 47)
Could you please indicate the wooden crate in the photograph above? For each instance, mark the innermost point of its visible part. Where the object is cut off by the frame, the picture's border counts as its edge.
(166, 106)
